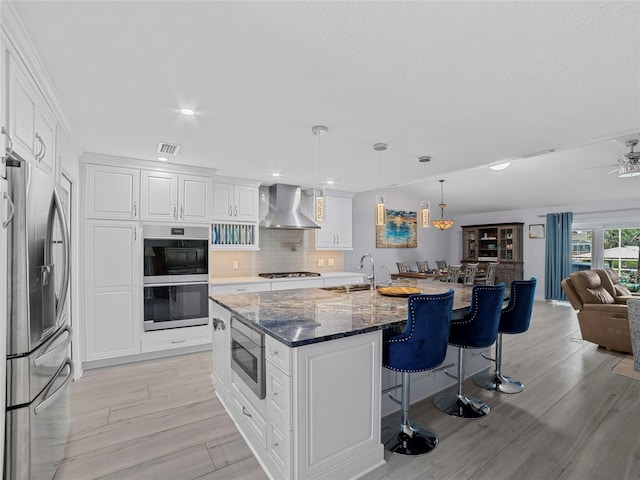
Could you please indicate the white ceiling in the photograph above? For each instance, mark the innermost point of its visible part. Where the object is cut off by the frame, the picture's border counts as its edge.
(468, 83)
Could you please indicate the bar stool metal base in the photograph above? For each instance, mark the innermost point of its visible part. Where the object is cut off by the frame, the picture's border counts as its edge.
(409, 439)
(460, 406)
(497, 383)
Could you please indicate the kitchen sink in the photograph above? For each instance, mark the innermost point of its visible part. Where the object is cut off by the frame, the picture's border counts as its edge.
(348, 288)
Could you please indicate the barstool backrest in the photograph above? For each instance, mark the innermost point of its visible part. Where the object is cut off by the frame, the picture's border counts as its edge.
(490, 277)
(441, 264)
(479, 327)
(516, 317)
(423, 344)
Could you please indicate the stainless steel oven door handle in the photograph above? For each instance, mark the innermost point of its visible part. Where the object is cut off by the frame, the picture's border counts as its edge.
(52, 398)
(42, 359)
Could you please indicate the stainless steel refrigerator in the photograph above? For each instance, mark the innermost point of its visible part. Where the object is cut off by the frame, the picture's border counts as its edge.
(39, 367)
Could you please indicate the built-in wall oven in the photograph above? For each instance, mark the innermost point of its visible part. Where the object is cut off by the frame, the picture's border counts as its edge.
(176, 278)
(247, 356)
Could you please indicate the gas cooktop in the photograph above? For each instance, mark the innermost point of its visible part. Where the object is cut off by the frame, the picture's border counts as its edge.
(289, 275)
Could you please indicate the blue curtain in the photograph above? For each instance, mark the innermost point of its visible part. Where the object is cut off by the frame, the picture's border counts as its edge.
(557, 254)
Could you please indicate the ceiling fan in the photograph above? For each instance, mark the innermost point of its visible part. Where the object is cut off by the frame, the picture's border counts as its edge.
(628, 163)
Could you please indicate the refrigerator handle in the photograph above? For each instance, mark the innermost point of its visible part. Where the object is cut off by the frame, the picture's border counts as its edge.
(42, 359)
(56, 207)
(52, 398)
(12, 210)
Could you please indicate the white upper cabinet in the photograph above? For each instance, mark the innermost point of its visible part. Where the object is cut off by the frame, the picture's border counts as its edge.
(169, 196)
(235, 203)
(335, 231)
(112, 192)
(31, 125)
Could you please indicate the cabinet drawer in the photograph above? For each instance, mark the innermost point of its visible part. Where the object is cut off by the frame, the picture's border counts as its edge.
(175, 338)
(240, 288)
(279, 446)
(279, 395)
(247, 414)
(291, 284)
(278, 354)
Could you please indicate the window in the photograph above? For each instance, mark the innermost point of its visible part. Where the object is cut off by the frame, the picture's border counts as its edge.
(581, 249)
(620, 252)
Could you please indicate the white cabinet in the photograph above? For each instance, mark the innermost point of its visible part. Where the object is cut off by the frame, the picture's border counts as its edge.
(112, 192)
(335, 231)
(169, 196)
(114, 287)
(343, 280)
(237, 203)
(31, 125)
(289, 284)
(318, 420)
(163, 340)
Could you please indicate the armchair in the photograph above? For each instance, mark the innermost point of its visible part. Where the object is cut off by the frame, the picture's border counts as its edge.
(601, 319)
(611, 282)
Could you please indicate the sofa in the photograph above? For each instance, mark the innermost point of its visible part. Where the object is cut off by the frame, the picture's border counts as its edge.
(602, 312)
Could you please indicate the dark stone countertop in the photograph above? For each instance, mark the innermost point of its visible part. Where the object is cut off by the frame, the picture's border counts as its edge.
(310, 315)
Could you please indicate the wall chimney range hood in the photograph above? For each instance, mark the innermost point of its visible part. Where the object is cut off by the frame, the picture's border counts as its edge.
(284, 209)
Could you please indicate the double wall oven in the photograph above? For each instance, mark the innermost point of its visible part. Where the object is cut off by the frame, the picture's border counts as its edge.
(176, 279)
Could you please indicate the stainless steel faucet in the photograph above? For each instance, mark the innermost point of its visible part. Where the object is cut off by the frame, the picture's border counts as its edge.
(372, 276)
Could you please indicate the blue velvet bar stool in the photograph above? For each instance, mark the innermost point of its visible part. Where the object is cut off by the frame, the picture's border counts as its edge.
(477, 329)
(515, 318)
(422, 346)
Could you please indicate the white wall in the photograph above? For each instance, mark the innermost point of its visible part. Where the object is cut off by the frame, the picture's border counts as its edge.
(432, 243)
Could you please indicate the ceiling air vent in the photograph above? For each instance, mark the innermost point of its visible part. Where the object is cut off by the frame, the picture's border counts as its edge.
(168, 148)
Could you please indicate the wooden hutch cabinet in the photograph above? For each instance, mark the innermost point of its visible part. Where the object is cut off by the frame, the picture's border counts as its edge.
(498, 242)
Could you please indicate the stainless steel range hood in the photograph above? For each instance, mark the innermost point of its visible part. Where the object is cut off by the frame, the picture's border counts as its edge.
(284, 209)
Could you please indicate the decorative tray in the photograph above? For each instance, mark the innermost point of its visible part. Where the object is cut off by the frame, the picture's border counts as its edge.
(398, 291)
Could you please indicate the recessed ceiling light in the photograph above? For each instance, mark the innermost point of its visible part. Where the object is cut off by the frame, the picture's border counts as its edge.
(275, 174)
(499, 166)
(162, 159)
(186, 111)
(330, 182)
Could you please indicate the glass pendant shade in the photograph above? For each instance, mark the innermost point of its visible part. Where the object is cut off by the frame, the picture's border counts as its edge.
(381, 211)
(424, 214)
(319, 204)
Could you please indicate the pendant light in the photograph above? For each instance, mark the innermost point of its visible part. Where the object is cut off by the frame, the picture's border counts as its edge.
(425, 205)
(318, 193)
(381, 210)
(442, 223)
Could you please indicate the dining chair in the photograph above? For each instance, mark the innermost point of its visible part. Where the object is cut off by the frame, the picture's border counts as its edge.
(423, 267)
(453, 273)
(403, 267)
(441, 264)
(470, 273)
(489, 276)
(421, 347)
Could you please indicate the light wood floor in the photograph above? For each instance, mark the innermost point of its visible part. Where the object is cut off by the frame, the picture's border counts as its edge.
(160, 420)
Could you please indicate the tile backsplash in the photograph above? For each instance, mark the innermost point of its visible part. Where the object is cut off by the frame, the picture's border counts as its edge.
(280, 251)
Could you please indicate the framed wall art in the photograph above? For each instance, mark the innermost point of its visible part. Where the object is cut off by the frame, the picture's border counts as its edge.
(536, 231)
(400, 230)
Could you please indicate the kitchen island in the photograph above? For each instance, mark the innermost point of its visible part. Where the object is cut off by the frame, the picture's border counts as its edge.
(321, 366)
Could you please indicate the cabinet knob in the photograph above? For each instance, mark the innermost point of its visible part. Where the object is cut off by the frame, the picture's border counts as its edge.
(135, 209)
(246, 412)
(235, 211)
